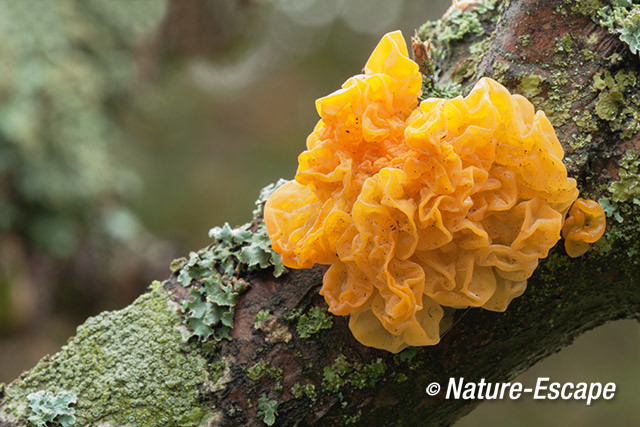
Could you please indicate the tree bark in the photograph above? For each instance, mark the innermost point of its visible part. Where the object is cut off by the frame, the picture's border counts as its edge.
(305, 366)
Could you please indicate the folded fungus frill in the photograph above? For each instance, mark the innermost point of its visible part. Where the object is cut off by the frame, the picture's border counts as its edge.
(451, 202)
(585, 224)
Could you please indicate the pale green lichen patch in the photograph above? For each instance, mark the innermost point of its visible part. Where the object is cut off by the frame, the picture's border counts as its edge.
(220, 374)
(630, 30)
(500, 70)
(128, 367)
(579, 141)
(621, 17)
(618, 101)
(549, 94)
(257, 371)
(298, 391)
(442, 91)
(262, 368)
(335, 376)
(559, 100)
(587, 122)
(564, 44)
(622, 206)
(457, 26)
(609, 104)
(585, 7)
(627, 187)
(177, 264)
(352, 419)
(356, 374)
(524, 40)
(478, 48)
(622, 233)
(260, 317)
(315, 320)
(236, 250)
(46, 408)
(530, 86)
(267, 409)
(247, 248)
(368, 374)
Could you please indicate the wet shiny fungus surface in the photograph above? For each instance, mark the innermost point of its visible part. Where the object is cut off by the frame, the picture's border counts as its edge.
(447, 202)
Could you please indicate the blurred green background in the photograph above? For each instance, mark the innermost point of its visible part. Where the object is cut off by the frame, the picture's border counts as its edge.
(128, 128)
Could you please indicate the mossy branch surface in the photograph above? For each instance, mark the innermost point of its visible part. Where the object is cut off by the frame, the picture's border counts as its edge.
(288, 362)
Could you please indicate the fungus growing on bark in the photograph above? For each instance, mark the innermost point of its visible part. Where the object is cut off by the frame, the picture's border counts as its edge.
(585, 224)
(449, 203)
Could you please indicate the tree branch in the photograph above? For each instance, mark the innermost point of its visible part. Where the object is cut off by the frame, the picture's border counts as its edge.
(302, 366)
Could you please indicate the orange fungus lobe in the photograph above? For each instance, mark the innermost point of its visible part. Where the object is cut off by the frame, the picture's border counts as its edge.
(450, 202)
(585, 224)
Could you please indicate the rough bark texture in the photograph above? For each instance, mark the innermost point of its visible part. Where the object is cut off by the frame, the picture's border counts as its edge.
(309, 368)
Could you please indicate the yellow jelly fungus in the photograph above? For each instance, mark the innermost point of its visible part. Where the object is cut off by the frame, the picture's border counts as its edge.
(449, 203)
(585, 224)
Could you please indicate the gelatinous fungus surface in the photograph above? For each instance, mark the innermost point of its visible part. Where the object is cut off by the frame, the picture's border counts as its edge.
(585, 224)
(451, 202)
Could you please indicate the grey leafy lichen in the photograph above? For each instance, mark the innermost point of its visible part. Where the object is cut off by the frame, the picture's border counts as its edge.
(622, 18)
(46, 408)
(213, 273)
(210, 312)
(267, 409)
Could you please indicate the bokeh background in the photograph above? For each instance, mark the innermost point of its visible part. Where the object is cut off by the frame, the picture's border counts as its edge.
(128, 128)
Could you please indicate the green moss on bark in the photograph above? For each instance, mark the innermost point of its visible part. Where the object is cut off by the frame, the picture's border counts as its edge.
(126, 367)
